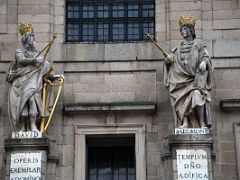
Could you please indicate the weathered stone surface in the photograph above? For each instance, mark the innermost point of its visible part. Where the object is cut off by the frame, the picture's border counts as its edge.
(181, 6)
(222, 14)
(176, 14)
(228, 169)
(34, 9)
(207, 5)
(226, 47)
(3, 28)
(9, 38)
(84, 52)
(32, 2)
(226, 24)
(6, 53)
(222, 4)
(207, 16)
(148, 51)
(68, 149)
(212, 34)
(231, 34)
(38, 18)
(127, 51)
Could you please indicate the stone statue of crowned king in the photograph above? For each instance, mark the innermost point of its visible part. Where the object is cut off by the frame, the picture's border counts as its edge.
(26, 75)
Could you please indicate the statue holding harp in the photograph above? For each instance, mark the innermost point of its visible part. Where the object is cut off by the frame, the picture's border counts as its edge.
(188, 76)
(29, 75)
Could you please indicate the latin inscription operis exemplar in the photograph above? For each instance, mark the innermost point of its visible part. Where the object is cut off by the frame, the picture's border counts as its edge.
(26, 166)
(192, 164)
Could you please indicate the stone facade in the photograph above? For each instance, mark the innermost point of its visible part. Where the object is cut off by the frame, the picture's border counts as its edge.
(127, 77)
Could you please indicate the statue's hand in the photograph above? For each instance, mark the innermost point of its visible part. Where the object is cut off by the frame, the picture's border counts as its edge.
(169, 58)
(60, 76)
(203, 66)
(167, 55)
(57, 77)
(38, 61)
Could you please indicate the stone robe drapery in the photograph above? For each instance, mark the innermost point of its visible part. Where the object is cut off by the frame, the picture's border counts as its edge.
(26, 80)
(188, 86)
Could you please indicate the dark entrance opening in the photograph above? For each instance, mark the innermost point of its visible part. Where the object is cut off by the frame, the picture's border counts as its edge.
(111, 158)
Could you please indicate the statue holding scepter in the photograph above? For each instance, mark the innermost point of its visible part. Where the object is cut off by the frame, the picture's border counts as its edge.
(26, 75)
(188, 75)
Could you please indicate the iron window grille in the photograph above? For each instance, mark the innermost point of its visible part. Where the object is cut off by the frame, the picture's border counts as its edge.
(109, 20)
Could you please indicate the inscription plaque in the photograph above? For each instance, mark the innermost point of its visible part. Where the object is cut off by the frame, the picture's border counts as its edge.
(192, 164)
(26, 166)
(26, 135)
(191, 131)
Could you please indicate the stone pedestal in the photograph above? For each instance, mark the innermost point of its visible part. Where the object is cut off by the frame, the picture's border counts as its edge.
(189, 155)
(26, 156)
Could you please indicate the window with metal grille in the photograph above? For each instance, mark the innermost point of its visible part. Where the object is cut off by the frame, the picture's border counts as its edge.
(111, 158)
(109, 20)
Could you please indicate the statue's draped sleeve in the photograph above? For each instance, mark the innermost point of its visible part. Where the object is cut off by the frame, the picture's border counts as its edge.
(21, 59)
(167, 65)
(206, 58)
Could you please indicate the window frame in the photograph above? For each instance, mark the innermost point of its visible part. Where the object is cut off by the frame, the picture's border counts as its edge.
(82, 131)
(110, 19)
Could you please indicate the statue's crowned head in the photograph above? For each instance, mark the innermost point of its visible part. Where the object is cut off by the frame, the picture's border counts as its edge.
(26, 30)
(25, 27)
(190, 20)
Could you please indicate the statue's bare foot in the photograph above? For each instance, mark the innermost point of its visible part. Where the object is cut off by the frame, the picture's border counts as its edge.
(185, 123)
(202, 124)
(33, 123)
(183, 126)
(23, 129)
(34, 128)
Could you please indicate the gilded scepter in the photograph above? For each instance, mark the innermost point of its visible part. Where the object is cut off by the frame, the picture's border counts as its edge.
(48, 46)
(158, 46)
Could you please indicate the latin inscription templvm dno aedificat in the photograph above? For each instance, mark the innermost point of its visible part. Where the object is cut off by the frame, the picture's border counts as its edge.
(192, 164)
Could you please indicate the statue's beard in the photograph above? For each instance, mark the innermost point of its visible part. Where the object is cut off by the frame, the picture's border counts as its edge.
(31, 45)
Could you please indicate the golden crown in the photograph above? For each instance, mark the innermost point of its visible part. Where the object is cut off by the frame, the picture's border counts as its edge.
(25, 27)
(187, 20)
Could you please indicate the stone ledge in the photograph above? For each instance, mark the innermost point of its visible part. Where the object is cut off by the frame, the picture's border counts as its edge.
(190, 140)
(27, 144)
(114, 106)
(230, 104)
(53, 159)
